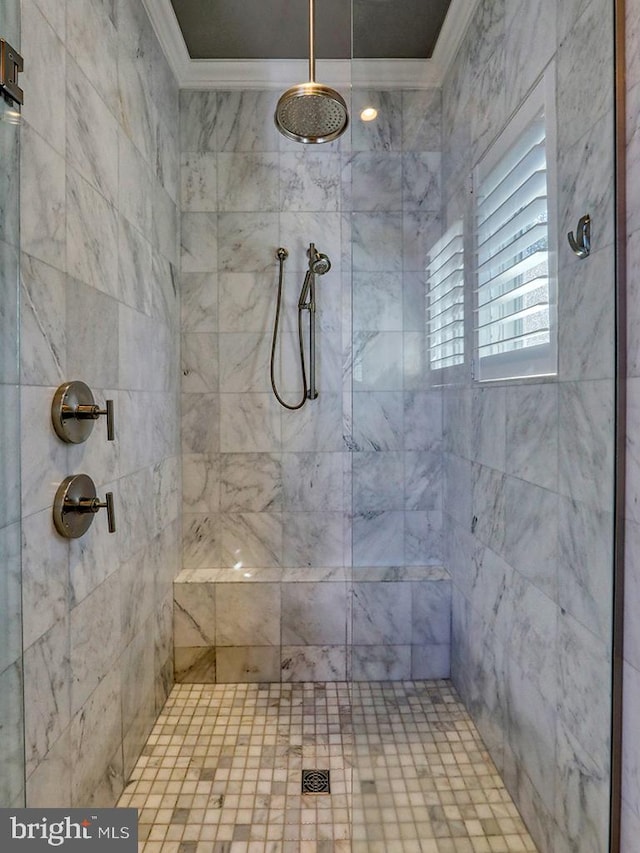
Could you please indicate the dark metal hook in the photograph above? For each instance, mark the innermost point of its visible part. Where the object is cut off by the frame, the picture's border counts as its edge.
(582, 246)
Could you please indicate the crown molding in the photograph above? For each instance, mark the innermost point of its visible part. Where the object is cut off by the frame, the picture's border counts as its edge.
(282, 73)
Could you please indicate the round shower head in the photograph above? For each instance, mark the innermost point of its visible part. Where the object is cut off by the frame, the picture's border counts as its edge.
(319, 264)
(311, 113)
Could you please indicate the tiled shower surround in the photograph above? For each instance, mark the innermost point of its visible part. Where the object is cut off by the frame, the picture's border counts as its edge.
(528, 466)
(280, 505)
(100, 170)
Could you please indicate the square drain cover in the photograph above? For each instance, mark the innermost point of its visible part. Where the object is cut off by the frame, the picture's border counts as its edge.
(316, 782)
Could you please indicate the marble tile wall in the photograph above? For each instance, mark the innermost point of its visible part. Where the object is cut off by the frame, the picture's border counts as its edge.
(528, 467)
(100, 303)
(352, 478)
(11, 670)
(631, 712)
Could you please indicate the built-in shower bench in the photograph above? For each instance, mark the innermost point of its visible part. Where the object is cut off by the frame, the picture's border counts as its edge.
(311, 624)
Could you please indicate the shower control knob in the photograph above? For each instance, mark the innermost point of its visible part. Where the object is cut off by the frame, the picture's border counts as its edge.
(75, 505)
(74, 412)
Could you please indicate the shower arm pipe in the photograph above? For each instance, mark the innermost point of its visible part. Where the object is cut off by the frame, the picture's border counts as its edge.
(312, 56)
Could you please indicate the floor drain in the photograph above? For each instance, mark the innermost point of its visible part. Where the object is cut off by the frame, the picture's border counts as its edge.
(316, 782)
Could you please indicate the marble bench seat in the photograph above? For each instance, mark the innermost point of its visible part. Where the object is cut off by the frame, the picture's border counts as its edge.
(312, 624)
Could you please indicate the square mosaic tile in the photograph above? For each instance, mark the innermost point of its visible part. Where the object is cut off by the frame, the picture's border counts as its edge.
(221, 773)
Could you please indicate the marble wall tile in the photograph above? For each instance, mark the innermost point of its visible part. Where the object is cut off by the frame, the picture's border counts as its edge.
(89, 22)
(378, 538)
(195, 666)
(45, 576)
(194, 615)
(95, 641)
(423, 480)
(200, 426)
(377, 302)
(378, 361)
(314, 538)
(432, 661)
(10, 461)
(313, 663)
(246, 241)
(381, 663)
(199, 175)
(249, 423)
(247, 303)
(314, 614)
(251, 539)
(9, 328)
(199, 363)
(92, 348)
(44, 114)
(43, 213)
(586, 442)
(381, 614)
(248, 182)
(587, 178)
(134, 268)
(247, 664)
(317, 428)
(96, 731)
(199, 302)
(47, 681)
(309, 181)
(199, 248)
(431, 613)
(423, 420)
(378, 482)
(488, 436)
(245, 618)
(377, 241)
(376, 181)
(92, 236)
(631, 739)
(50, 783)
(312, 481)
(243, 121)
(244, 362)
(12, 734)
(42, 450)
(423, 538)
(421, 181)
(324, 229)
(91, 134)
(422, 120)
(377, 421)
(585, 543)
(532, 434)
(385, 132)
(134, 186)
(201, 484)
(43, 333)
(10, 596)
(198, 111)
(201, 541)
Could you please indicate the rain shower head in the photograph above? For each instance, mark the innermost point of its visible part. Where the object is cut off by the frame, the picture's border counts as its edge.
(310, 112)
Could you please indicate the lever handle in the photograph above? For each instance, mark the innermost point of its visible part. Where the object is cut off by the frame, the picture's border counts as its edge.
(73, 411)
(76, 503)
(108, 411)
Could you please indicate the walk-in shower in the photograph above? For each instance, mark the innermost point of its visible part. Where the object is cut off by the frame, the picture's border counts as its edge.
(319, 264)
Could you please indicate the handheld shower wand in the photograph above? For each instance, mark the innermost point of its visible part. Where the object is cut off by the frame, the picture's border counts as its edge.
(319, 264)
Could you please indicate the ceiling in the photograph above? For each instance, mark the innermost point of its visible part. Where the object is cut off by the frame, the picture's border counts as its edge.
(278, 29)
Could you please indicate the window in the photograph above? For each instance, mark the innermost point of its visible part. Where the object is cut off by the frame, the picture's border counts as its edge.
(445, 299)
(515, 292)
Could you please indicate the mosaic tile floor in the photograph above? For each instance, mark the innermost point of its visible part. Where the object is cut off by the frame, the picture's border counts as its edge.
(222, 769)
